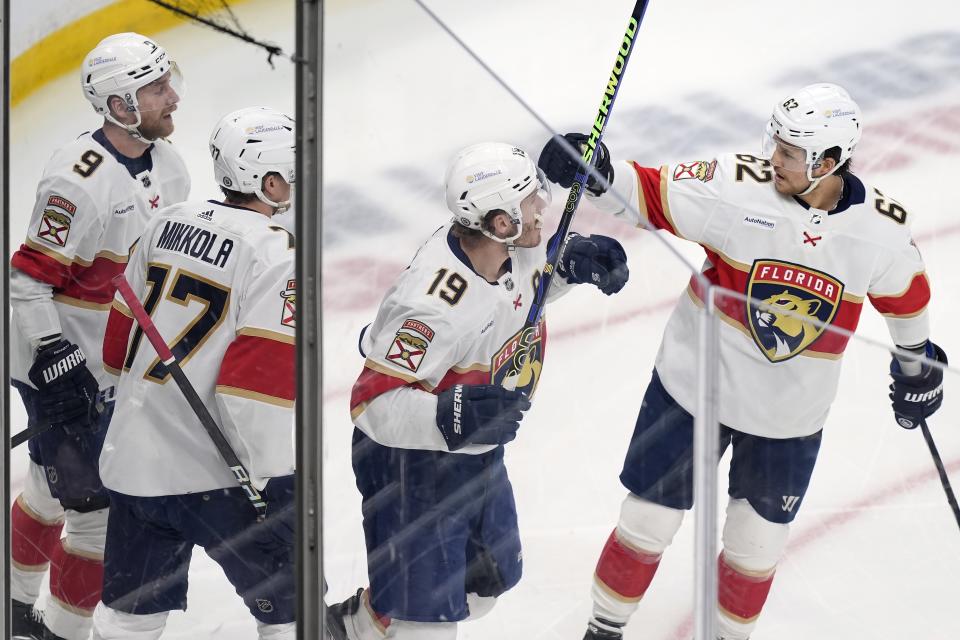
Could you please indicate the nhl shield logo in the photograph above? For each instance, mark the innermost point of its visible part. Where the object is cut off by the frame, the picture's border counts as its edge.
(785, 298)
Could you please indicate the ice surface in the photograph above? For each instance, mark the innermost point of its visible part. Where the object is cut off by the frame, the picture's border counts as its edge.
(875, 551)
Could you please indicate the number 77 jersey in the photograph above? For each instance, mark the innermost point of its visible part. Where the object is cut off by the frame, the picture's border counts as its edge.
(801, 268)
(218, 282)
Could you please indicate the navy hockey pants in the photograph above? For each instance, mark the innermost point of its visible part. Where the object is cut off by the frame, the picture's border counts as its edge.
(771, 474)
(438, 526)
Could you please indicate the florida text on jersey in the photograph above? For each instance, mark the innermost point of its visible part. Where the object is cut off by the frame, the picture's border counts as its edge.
(442, 324)
(802, 269)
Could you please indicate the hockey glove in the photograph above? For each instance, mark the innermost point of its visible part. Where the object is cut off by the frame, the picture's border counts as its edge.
(561, 168)
(68, 391)
(597, 260)
(918, 397)
(276, 532)
(479, 414)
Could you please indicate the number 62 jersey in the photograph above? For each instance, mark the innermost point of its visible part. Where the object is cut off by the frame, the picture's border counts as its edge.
(801, 268)
(218, 282)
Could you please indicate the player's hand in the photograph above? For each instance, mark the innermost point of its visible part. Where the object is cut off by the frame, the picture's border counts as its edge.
(561, 168)
(68, 391)
(918, 397)
(597, 260)
(277, 531)
(479, 414)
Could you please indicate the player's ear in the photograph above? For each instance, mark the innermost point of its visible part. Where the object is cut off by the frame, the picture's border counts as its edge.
(826, 166)
(500, 225)
(118, 108)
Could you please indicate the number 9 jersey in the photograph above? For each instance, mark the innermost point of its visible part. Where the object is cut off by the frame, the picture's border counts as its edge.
(92, 204)
(218, 282)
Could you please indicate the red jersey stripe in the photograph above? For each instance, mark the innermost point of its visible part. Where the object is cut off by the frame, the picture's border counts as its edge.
(40, 266)
(263, 366)
(115, 339)
(85, 282)
(650, 186)
(372, 383)
(727, 276)
(911, 302)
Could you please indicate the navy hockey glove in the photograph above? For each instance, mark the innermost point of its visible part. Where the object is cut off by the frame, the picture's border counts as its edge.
(596, 260)
(559, 167)
(276, 532)
(479, 414)
(918, 397)
(68, 391)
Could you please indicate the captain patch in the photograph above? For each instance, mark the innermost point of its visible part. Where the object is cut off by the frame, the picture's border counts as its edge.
(288, 316)
(54, 227)
(700, 170)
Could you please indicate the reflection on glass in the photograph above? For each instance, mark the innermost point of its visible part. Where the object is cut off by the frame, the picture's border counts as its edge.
(135, 458)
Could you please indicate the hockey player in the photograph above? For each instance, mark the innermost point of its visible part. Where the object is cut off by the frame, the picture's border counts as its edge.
(94, 200)
(795, 230)
(217, 279)
(448, 374)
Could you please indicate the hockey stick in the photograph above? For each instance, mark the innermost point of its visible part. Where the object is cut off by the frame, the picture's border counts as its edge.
(559, 240)
(170, 362)
(938, 462)
(28, 433)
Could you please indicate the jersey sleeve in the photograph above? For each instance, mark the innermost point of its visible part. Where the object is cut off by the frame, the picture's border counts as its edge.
(679, 199)
(410, 349)
(63, 233)
(900, 291)
(33, 309)
(120, 321)
(256, 383)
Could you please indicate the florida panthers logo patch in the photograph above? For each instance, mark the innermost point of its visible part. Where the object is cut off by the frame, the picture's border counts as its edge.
(700, 170)
(520, 360)
(410, 344)
(785, 299)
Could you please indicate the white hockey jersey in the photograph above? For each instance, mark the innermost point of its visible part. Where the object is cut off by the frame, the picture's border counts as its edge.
(778, 374)
(219, 283)
(442, 324)
(92, 204)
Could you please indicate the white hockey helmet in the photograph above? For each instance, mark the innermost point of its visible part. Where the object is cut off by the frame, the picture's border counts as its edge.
(816, 118)
(488, 176)
(120, 65)
(250, 143)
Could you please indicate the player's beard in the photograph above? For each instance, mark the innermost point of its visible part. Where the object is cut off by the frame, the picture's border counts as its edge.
(154, 127)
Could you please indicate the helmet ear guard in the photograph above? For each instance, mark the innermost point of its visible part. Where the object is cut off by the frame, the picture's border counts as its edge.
(492, 176)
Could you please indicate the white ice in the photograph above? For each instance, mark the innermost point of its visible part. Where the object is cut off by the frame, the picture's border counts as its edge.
(875, 551)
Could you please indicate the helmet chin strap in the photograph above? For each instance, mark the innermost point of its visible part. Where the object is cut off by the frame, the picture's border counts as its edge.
(132, 129)
(278, 207)
(815, 182)
(517, 219)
